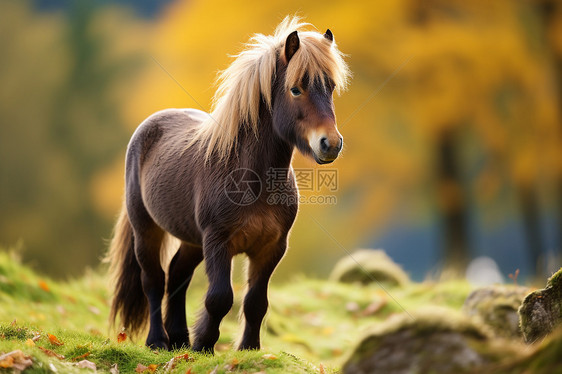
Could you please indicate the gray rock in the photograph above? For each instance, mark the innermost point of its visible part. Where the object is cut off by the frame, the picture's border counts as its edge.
(541, 311)
(496, 307)
(433, 341)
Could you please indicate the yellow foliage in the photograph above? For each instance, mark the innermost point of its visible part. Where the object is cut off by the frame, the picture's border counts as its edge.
(470, 64)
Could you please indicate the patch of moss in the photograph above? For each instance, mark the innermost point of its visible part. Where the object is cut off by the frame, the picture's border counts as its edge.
(14, 332)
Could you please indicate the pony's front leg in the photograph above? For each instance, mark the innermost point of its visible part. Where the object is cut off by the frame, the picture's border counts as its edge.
(219, 298)
(262, 265)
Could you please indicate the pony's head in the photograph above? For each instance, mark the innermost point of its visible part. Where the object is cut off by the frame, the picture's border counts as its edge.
(309, 70)
(294, 73)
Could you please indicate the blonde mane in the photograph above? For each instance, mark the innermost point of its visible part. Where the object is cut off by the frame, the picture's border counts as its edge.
(243, 85)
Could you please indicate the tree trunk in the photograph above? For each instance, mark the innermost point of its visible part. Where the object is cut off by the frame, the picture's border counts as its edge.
(452, 203)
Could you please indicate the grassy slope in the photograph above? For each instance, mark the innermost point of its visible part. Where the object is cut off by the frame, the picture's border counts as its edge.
(311, 327)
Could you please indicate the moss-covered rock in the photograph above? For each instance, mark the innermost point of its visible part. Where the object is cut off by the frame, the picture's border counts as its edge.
(369, 266)
(496, 307)
(541, 311)
(430, 341)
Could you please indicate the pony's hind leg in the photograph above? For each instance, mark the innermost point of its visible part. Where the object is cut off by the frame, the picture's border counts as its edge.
(179, 275)
(262, 265)
(147, 250)
(219, 298)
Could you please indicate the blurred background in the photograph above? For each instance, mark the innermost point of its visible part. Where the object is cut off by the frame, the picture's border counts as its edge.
(452, 125)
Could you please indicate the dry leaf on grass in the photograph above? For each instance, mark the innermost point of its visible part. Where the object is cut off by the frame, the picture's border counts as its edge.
(114, 369)
(171, 365)
(269, 356)
(85, 364)
(374, 307)
(121, 337)
(150, 368)
(44, 286)
(232, 365)
(48, 352)
(81, 356)
(15, 360)
(54, 340)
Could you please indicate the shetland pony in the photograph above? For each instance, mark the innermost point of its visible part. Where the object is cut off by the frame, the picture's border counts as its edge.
(180, 166)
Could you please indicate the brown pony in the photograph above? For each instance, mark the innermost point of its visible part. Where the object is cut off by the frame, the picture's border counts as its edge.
(182, 166)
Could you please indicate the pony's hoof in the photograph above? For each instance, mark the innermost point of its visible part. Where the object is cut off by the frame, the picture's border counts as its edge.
(157, 344)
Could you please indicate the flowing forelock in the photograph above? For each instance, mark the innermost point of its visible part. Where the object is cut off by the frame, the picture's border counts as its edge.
(247, 82)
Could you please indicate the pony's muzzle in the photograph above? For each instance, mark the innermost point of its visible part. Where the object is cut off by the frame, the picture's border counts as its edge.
(325, 147)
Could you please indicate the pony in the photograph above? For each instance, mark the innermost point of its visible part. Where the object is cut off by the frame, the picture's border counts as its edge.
(185, 167)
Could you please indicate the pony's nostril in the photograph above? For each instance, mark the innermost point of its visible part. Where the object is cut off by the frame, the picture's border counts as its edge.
(340, 145)
(324, 145)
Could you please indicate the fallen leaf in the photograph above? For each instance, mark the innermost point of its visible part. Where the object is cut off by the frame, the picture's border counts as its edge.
(48, 352)
(81, 356)
(321, 369)
(114, 369)
(44, 286)
(54, 340)
(374, 307)
(85, 364)
(232, 365)
(188, 371)
(15, 360)
(269, 356)
(185, 357)
(7, 362)
(121, 337)
(171, 365)
(150, 368)
(30, 343)
(36, 336)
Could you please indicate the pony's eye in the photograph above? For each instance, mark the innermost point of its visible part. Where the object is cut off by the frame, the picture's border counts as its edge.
(295, 91)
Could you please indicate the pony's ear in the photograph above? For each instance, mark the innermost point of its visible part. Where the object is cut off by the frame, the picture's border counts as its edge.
(328, 35)
(291, 45)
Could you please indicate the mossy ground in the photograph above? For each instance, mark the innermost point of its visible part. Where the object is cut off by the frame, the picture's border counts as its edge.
(312, 325)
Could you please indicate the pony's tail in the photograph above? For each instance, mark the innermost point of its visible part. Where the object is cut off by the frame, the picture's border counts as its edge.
(129, 302)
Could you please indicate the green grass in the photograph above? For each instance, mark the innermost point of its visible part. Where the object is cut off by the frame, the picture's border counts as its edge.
(311, 327)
